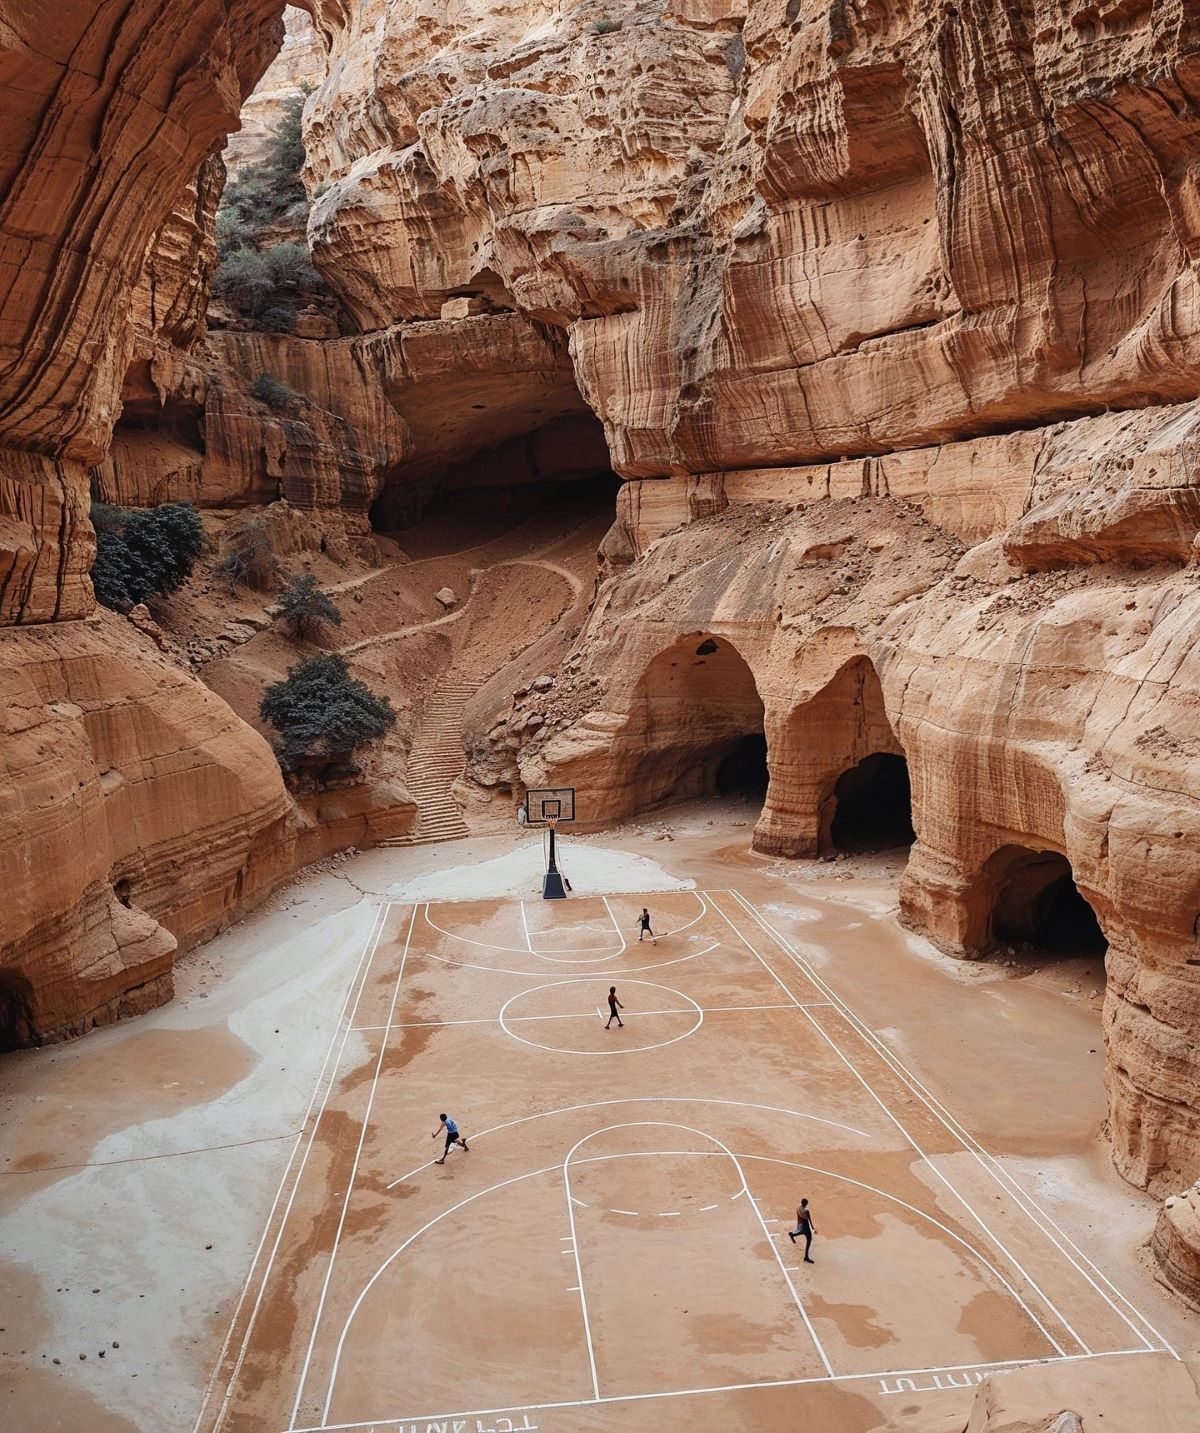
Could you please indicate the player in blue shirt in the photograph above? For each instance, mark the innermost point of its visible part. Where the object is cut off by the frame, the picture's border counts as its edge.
(452, 1136)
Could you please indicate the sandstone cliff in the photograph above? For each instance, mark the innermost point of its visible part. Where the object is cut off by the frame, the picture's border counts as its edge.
(889, 313)
(138, 810)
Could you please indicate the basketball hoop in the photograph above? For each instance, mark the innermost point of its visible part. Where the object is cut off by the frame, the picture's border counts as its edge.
(552, 822)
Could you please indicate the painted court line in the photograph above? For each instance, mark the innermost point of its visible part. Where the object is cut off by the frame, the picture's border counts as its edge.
(724, 1148)
(598, 951)
(623, 972)
(572, 1199)
(721, 1151)
(643, 1100)
(583, 1308)
(933, 1168)
(582, 1015)
(1001, 1176)
(344, 1026)
(619, 931)
(406, 1423)
(353, 1173)
(616, 1048)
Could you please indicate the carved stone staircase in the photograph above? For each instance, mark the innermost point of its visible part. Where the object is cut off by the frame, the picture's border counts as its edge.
(435, 762)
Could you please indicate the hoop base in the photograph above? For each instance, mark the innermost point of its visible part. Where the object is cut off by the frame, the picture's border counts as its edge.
(553, 888)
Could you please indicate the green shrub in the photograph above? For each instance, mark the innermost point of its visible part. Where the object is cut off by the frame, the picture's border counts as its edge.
(243, 278)
(266, 285)
(323, 714)
(143, 552)
(263, 192)
(233, 234)
(246, 558)
(304, 607)
(270, 390)
(283, 154)
(605, 26)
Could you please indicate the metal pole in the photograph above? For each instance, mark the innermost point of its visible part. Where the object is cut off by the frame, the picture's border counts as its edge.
(552, 866)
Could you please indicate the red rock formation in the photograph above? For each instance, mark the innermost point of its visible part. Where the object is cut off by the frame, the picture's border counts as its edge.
(130, 792)
(137, 811)
(889, 313)
(803, 255)
(1131, 1393)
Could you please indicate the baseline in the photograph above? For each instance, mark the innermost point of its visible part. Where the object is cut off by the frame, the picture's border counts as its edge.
(406, 1424)
(721, 1151)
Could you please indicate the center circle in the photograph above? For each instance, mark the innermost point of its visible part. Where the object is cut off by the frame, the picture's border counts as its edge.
(569, 1017)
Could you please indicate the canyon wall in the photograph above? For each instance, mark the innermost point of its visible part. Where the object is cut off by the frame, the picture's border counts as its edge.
(137, 810)
(890, 316)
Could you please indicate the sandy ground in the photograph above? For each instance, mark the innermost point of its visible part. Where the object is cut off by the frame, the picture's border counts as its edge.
(138, 1167)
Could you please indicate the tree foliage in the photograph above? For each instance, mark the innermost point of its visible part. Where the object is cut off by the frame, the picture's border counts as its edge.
(305, 607)
(264, 282)
(322, 713)
(266, 285)
(264, 191)
(143, 552)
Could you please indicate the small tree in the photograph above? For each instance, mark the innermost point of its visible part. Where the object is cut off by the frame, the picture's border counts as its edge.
(283, 153)
(247, 559)
(268, 188)
(322, 715)
(144, 552)
(304, 607)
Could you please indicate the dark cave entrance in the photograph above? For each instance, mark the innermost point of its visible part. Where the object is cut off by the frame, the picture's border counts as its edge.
(742, 771)
(697, 727)
(17, 1028)
(504, 477)
(1036, 905)
(873, 805)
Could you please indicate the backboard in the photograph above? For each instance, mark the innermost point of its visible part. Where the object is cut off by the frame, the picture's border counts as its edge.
(544, 803)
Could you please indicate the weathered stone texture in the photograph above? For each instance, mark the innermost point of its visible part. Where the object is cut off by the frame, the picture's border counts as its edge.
(122, 777)
(109, 112)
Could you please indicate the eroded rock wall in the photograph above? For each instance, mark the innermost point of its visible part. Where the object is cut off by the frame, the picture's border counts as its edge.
(138, 811)
(889, 313)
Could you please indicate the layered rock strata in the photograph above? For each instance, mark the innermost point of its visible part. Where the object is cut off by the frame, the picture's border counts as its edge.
(900, 302)
(1176, 1243)
(138, 811)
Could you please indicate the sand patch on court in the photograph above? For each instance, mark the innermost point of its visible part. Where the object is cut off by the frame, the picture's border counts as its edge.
(591, 870)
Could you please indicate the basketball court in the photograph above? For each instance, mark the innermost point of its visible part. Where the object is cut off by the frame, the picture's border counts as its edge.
(612, 1251)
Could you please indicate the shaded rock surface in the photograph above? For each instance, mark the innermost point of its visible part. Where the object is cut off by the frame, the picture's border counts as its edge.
(930, 474)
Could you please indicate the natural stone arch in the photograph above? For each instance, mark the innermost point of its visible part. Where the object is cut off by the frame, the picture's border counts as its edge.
(696, 723)
(825, 752)
(1028, 898)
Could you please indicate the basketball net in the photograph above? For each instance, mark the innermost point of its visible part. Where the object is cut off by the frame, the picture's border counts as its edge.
(552, 822)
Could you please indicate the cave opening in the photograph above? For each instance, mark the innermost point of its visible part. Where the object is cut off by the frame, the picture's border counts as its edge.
(873, 805)
(743, 770)
(697, 727)
(17, 1028)
(1036, 905)
(560, 462)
